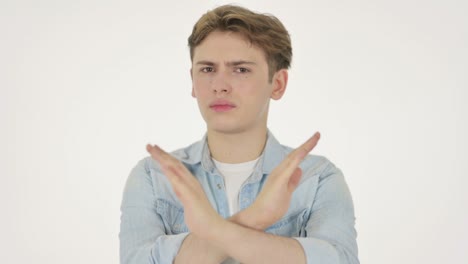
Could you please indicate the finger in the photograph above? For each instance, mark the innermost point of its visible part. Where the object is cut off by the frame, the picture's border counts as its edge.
(294, 179)
(181, 188)
(184, 184)
(285, 170)
(297, 155)
(307, 146)
(172, 167)
(164, 158)
(157, 153)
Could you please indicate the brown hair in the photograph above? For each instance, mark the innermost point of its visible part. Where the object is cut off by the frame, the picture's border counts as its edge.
(262, 30)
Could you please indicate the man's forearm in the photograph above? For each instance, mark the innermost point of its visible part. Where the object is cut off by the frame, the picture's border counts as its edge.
(197, 250)
(246, 228)
(252, 246)
(243, 239)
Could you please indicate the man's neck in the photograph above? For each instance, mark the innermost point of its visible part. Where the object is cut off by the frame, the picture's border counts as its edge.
(238, 147)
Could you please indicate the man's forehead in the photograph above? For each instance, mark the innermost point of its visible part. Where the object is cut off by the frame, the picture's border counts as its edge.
(227, 57)
(228, 46)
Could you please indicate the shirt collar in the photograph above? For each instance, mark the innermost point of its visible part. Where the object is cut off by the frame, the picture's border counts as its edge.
(273, 154)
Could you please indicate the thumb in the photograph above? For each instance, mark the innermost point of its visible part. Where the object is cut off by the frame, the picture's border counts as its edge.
(294, 179)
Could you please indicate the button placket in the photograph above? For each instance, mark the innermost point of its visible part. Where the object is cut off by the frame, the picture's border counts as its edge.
(219, 183)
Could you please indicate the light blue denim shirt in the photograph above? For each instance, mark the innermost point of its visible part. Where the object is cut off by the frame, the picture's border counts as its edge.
(321, 214)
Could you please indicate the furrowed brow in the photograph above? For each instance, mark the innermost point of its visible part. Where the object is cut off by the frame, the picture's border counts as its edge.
(240, 62)
(204, 62)
(229, 64)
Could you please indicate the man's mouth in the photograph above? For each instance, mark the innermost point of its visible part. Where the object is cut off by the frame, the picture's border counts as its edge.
(222, 106)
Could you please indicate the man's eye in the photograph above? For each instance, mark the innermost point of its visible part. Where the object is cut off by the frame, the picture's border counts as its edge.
(207, 69)
(242, 70)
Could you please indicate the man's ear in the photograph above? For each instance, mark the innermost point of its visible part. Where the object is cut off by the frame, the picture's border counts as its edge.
(191, 77)
(279, 82)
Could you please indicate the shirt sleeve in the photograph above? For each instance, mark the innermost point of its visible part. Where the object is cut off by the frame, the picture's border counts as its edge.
(142, 234)
(330, 235)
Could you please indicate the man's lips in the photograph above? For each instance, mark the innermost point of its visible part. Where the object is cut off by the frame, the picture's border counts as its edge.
(222, 105)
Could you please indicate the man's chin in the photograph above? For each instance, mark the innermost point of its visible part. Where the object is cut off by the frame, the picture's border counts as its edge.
(228, 130)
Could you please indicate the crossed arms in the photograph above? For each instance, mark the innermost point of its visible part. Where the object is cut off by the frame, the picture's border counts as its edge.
(212, 238)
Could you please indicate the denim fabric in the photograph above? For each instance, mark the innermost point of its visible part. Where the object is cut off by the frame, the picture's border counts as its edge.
(321, 214)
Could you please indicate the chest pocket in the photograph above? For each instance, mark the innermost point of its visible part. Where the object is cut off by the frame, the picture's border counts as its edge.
(172, 216)
(294, 223)
(289, 226)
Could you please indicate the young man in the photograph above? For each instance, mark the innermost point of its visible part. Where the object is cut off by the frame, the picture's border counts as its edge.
(237, 194)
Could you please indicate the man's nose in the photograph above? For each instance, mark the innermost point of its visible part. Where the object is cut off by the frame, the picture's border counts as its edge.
(220, 83)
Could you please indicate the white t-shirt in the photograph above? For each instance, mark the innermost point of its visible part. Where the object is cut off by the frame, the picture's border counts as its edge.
(234, 176)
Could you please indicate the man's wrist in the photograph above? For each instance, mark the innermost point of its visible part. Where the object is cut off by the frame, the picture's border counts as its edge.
(250, 218)
(198, 250)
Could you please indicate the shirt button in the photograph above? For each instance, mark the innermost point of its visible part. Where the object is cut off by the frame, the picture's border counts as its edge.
(219, 186)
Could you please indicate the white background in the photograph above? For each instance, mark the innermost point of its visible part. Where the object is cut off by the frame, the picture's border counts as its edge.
(86, 84)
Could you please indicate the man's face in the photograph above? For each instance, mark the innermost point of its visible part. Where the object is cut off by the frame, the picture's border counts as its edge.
(230, 82)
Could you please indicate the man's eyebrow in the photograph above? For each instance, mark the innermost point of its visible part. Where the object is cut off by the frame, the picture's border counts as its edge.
(204, 62)
(240, 62)
(230, 63)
